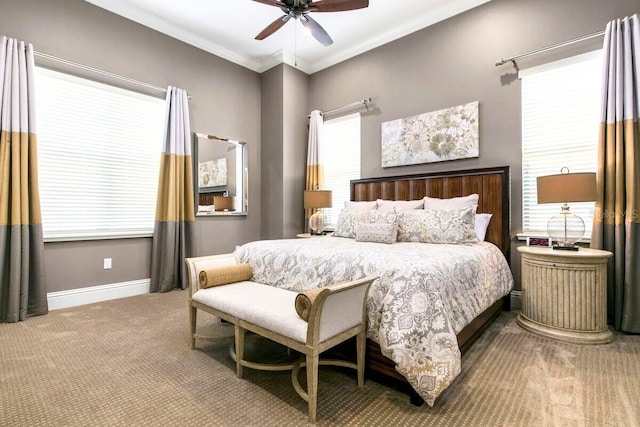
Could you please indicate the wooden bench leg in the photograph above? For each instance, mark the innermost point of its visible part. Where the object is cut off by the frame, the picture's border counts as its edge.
(361, 341)
(239, 340)
(312, 385)
(192, 320)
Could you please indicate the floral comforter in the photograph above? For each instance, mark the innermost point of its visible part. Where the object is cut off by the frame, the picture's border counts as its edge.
(425, 294)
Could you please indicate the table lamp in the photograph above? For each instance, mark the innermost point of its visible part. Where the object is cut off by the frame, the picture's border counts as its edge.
(566, 228)
(317, 199)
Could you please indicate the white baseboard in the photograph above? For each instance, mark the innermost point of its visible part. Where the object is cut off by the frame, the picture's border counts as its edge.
(81, 296)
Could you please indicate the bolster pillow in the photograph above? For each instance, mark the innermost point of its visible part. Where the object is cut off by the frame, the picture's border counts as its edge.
(225, 274)
(304, 301)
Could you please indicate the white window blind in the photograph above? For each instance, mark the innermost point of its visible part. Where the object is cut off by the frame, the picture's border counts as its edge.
(340, 155)
(560, 117)
(99, 153)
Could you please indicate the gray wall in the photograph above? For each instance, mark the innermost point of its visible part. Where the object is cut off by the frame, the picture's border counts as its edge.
(272, 152)
(452, 63)
(225, 102)
(296, 136)
(284, 150)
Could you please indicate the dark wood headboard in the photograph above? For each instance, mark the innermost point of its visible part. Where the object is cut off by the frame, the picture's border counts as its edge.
(491, 184)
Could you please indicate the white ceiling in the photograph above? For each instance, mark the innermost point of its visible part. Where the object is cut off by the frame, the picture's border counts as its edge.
(227, 28)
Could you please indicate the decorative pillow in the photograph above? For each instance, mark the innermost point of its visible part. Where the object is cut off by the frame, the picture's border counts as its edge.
(304, 301)
(437, 226)
(347, 221)
(224, 275)
(381, 217)
(361, 205)
(380, 232)
(452, 203)
(481, 225)
(400, 205)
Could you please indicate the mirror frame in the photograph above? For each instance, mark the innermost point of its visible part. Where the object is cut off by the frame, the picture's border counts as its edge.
(242, 200)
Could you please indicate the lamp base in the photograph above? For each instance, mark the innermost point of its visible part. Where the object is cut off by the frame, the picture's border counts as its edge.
(566, 248)
(316, 223)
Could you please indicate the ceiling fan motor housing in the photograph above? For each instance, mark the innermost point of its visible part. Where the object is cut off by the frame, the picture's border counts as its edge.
(301, 8)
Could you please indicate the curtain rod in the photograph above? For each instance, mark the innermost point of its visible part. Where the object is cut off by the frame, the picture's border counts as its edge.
(548, 48)
(98, 71)
(365, 102)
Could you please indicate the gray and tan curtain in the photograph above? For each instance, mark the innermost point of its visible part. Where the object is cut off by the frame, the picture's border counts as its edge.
(314, 166)
(617, 215)
(175, 218)
(22, 281)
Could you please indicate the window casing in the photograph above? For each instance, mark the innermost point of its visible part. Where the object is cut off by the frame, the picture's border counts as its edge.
(560, 119)
(99, 151)
(340, 157)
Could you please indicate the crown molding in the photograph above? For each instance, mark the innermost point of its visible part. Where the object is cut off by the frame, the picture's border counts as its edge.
(445, 11)
(132, 13)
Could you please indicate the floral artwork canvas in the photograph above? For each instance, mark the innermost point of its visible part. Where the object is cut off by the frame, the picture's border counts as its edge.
(448, 134)
(212, 173)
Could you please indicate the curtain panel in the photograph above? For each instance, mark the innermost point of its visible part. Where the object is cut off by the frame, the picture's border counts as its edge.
(314, 166)
(175, 218)
(22, 279)
(617, 215)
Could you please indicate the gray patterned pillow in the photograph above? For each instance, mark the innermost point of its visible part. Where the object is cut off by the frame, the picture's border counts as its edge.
(438, 226)
(388, 216)
(380, 232)
(347, 222)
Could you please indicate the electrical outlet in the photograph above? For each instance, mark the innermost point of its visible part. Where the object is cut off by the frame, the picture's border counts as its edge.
(107, 263)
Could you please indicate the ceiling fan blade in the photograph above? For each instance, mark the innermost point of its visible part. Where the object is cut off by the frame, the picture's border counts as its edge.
(272, 3)
(337, 5)
(273, 27)
(316, 30)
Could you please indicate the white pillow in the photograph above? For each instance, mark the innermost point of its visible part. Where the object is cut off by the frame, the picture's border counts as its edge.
(452, 203)
(400, 205)
(361, 206)
(437, 226)
(481, 225)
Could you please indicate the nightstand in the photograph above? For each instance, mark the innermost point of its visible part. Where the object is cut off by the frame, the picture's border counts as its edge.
(564, 294)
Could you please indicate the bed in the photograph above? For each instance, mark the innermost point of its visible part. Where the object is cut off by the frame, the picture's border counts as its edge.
(431, 300)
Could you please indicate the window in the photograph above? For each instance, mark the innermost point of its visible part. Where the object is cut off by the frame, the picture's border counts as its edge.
(340, 156)
(99, 151)
(560, 120)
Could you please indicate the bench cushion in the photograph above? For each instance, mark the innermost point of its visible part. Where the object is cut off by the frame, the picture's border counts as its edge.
(267, 306)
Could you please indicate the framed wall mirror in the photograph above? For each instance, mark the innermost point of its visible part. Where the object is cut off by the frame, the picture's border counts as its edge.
(221, 175)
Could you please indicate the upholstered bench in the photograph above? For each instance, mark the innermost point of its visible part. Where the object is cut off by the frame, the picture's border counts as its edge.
(338, 313)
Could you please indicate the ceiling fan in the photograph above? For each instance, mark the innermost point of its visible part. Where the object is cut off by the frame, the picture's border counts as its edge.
(300, 9)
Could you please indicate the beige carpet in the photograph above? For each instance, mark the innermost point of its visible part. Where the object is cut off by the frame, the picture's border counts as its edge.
(128, 363)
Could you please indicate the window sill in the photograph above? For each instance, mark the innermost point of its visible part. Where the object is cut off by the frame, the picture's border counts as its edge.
(89, 236)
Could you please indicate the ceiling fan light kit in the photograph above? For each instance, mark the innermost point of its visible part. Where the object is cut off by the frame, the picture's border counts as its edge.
(300, 9)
